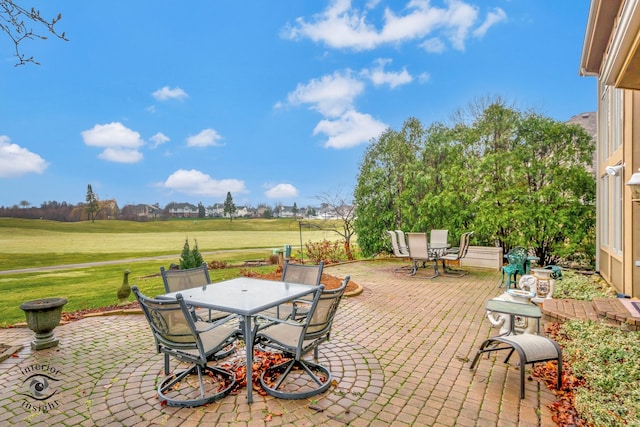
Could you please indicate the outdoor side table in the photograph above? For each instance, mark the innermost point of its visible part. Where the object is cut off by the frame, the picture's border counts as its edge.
(514, 309)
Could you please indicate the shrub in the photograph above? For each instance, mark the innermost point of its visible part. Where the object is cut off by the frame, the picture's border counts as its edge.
(608, 359)
(190, 258)
(329, 252)
(581, 287)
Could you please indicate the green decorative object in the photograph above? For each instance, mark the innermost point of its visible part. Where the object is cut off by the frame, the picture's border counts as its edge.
(124, 290)
(43, 315)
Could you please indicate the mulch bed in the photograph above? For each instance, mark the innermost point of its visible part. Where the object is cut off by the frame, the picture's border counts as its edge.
(563, 410)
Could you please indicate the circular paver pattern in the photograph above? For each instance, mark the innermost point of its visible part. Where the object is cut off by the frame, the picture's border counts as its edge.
(131, 394)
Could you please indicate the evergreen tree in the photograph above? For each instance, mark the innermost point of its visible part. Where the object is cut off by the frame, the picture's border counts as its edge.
(190, 258)
(229, 206)
(92, 207)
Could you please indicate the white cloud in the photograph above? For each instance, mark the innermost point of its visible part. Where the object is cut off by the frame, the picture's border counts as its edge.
(433, 45)
(342, 26)
(120, 143)
(492, 18)
(460, 17)
(159, 139)
(167, 93)
(351, 129)
(424, 77)
(196, 183)
(331, 95)
(121, 155)
(380, 77)
(206, 138)
(16, 161)
(282, 191)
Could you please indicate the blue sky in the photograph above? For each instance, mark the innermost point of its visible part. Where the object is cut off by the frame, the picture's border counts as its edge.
(274, 101)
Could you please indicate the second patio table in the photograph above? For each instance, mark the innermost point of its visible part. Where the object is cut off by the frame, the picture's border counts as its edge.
(247, 297)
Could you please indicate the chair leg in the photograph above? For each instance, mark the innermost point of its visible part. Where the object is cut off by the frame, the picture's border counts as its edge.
(273, 377)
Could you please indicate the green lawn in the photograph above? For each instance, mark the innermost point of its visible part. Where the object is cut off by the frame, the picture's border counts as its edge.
(38, 243)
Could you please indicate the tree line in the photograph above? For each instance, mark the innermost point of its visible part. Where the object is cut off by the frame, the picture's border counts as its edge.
(516, 178)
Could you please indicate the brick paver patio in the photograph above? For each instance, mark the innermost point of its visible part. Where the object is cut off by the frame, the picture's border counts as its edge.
(400, 353)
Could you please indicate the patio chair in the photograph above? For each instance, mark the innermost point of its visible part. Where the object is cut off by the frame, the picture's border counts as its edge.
(398, 251)
(517, 258)
(306, 274)
(419, 253)
(297, 338)
(402, 242)
(176, 334)
(438, 237)
(456, 254)
(179, 280)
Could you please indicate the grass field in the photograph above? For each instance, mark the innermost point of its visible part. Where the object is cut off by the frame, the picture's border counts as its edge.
(39, 244)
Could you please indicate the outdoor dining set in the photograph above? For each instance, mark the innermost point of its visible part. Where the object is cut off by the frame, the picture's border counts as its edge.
(511, 311)
(199, 323)
(421, 249)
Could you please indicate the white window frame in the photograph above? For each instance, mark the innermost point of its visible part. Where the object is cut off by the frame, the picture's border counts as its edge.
(604, 212)
(616, 119)
(616, 214)
(603, 123)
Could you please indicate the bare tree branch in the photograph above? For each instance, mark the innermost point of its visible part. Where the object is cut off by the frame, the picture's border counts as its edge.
(15, 22)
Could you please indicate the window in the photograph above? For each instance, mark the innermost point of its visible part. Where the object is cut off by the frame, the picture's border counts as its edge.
(603, 123)
(616, 119)
(604, 212)
(616, 214)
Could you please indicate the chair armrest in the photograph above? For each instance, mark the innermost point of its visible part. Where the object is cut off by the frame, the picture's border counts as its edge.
(273, 320)
(204, 326)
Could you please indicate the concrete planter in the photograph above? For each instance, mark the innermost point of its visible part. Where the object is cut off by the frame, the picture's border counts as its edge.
(43, 315)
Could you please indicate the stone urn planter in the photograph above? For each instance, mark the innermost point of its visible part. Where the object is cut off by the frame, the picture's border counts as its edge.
(43, 315)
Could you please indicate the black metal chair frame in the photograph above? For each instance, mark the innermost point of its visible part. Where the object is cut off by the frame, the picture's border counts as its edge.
(311, 331)
(167, 319)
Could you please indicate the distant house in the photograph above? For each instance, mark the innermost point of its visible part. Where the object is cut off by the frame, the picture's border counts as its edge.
(215, 211)
(611, 54)
(243, 212)
(182, 210)
(142, 211)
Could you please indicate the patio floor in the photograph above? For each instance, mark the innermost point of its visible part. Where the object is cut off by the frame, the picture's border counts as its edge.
(399, 351)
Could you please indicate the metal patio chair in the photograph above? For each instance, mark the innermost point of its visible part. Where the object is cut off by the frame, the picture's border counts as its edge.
(297, 338)
(517, 258)
(419, 253)
(179, 280)
(456, 254)
(306, 274)
(402, 242)
(398, 251)
(438, 237)
(178, 335)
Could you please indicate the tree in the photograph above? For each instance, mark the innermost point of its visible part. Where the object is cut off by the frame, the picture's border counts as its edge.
(515, 178)
(201, 211)
(190, 258)
(14, 21)
(380, 189)
(344, 210)
(294, 210)
(24, 204)
(229, 206)
(92, 207)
